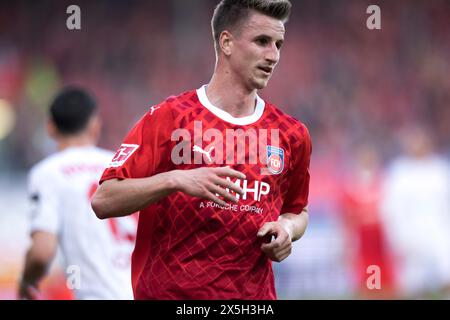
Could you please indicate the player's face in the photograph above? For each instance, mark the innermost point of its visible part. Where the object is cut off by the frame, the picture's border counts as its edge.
(256, 49)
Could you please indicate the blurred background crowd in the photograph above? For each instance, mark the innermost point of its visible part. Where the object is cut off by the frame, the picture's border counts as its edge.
(377, 103)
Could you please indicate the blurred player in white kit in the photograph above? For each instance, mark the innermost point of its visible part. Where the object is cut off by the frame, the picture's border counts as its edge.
(416, 213)
(60, 188)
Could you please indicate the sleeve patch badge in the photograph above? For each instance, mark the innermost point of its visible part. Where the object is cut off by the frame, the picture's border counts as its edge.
(123, 154)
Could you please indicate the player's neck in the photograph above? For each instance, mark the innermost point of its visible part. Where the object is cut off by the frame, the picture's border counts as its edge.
(229, 95)
(64, 143)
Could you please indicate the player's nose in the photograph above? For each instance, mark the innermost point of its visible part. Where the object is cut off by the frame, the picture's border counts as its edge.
(272, 54)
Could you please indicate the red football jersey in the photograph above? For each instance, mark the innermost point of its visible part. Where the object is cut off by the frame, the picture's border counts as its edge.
(190, 248)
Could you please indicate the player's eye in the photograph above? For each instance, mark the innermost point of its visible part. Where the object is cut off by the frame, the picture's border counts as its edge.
(262, 41)
(279, 45)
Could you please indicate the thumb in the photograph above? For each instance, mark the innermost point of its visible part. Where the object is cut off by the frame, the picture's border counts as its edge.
(265, 230)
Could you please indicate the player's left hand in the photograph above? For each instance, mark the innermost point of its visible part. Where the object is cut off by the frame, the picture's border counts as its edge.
(279, 248)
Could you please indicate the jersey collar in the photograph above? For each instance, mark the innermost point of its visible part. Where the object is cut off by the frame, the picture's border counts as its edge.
(225, 116)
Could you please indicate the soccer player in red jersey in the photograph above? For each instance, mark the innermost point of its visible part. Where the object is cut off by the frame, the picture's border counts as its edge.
(220, 176)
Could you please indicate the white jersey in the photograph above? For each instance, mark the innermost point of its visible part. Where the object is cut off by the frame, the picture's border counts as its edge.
(416, 214)
(60, 189)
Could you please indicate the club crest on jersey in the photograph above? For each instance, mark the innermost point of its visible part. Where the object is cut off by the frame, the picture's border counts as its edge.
(125, 151)
(275, 159)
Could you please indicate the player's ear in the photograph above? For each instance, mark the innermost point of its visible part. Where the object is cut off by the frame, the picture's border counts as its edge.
(226, 42)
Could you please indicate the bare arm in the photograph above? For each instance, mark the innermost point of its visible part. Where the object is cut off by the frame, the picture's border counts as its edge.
(37, 261)
(115, 198)
(290, 227)
(295, 224)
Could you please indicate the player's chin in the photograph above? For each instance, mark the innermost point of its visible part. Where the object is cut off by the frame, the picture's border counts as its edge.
(260, 83)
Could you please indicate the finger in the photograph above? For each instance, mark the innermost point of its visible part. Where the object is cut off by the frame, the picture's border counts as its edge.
(280, 256)
(280, 243)
(229, 185)
(222, 192)
(228, 172)
(216, 199)
(33, 293)
(270, 247)
(283, 253)
(280, 259)
(283, 239)
(266, 229)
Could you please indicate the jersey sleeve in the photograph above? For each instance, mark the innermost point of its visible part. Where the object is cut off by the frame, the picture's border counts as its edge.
(43, 195)
(146, 148)
(296, 198)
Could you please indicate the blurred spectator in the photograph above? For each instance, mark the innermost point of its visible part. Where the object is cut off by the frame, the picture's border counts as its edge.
(416, 214)
(97, 254)
(361, 211)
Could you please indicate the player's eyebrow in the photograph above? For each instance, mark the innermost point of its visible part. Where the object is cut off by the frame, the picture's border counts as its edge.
(266, 37)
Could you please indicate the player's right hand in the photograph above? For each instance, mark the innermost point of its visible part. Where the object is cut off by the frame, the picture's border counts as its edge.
(209, 183)
(28, 292)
